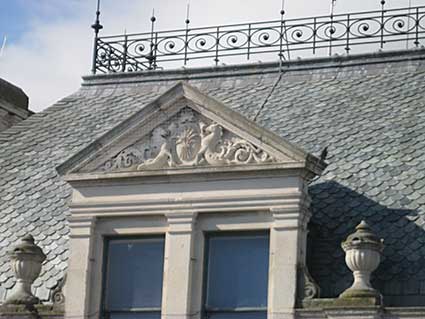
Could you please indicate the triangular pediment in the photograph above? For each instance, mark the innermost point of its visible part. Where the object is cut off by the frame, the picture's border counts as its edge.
(185, 129)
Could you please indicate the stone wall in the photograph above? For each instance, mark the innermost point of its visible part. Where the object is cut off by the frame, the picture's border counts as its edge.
(13, 105)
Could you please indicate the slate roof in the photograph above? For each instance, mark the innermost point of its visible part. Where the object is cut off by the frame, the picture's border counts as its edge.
(369, 110)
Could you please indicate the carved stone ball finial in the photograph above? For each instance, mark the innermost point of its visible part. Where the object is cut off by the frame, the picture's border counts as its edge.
(362, 255)
(26, 259)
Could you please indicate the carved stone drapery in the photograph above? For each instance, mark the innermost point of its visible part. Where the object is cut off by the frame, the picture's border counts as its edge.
(187, 139)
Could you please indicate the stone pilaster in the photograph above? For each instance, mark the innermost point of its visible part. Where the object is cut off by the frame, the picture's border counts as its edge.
(286, 252)
(81, 242)
(178, 265)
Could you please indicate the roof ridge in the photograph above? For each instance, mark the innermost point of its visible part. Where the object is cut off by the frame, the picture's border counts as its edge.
(247, 69)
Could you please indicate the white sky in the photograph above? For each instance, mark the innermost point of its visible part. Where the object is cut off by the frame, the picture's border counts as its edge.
(47, 62)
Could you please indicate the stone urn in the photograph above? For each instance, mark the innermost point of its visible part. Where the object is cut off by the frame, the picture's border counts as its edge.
(362, 255)
(26, 259)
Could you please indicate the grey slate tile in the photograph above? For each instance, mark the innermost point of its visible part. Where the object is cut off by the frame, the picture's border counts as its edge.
(374, 125)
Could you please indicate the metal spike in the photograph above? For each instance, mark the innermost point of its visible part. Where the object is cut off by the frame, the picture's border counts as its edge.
(96, 26)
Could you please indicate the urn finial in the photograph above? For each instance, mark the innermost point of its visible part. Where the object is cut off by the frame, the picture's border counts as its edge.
(363, 237)
(26, 259)
(362, 255)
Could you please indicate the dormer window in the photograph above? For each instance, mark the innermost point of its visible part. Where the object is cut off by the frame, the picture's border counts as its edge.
(216, 186)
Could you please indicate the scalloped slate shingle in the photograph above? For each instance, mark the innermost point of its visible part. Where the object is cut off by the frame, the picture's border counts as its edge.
(371, 116)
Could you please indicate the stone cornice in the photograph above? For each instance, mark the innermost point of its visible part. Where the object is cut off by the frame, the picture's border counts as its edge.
(309, 64)
(289, 202)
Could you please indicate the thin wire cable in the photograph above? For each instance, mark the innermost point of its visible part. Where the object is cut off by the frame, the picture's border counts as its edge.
(269, 95)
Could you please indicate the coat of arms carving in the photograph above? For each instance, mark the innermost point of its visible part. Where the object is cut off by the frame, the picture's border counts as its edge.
(187, 139)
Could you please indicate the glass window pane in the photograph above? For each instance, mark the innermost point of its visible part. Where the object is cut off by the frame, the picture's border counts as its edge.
(135, 315)
(134, 273)
(238, 315)
(237, 273)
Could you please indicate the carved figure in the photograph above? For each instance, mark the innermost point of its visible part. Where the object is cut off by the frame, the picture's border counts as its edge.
(209, 142)
(163, 159)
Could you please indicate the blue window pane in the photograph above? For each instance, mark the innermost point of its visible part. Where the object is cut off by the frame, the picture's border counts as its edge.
(134, 273)
(237, 315)
(135, 315)
(237, 273)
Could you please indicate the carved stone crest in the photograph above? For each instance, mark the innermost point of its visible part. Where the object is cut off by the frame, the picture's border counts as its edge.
(187, 139)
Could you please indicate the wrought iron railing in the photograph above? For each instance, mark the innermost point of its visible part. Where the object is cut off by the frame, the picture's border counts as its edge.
(283, 38)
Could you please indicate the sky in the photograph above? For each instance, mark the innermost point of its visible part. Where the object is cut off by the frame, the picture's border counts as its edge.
(49, 42)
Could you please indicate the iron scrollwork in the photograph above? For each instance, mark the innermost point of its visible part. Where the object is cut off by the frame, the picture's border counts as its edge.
(307, 36)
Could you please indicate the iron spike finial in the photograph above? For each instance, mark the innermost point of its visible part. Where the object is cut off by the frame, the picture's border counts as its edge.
(333, 3)
(153, 18)
(282, 9)
(96, 25)
(187, 21)
(152, 54)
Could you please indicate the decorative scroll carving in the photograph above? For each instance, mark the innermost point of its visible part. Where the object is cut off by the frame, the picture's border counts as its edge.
(187, 139)
(58, 298)
(306, 286)
(311, 289)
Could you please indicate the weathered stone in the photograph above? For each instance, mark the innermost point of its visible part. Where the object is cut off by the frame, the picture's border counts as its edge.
(26, 259)
(363, 249)
(31, 312)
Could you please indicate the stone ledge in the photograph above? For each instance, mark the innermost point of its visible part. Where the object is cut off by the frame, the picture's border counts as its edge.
(325, 303)
(361, 312)
(30, 312)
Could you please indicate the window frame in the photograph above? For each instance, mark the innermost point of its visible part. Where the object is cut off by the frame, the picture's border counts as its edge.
(104, 312)
(207, 235)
